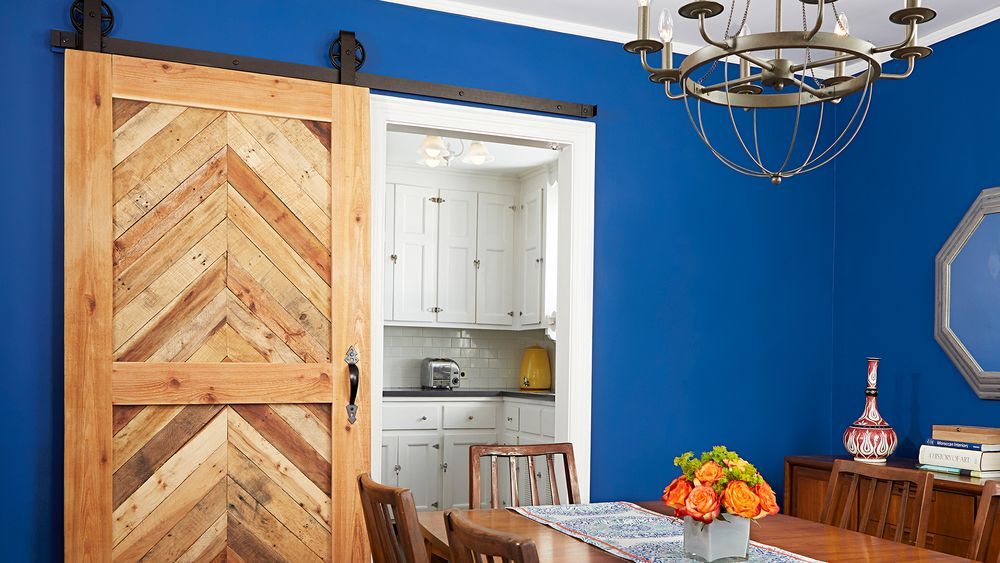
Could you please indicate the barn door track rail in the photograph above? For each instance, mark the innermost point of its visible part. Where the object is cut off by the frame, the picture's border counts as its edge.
(93, 21)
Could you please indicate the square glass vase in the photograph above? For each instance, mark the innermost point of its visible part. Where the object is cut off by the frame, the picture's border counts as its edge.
(722, 540)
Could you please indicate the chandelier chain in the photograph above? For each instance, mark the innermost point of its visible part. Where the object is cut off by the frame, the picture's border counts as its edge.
(729, 34)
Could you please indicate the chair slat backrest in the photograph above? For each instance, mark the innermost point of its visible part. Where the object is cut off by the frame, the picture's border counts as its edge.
(472, 543)
(902, 507)
(985, 516)
(527, 453)
(391, 519)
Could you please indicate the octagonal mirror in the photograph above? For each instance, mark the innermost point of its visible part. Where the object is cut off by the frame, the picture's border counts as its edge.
(967, 312)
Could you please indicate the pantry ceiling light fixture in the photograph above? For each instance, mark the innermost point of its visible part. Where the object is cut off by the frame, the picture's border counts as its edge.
(435, 151)
(778, 71)
(478, 154)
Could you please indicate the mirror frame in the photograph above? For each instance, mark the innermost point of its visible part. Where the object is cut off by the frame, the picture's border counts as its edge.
(986, 384)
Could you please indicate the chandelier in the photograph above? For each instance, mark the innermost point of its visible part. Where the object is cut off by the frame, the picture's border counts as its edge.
(769, 78)
(435, 151)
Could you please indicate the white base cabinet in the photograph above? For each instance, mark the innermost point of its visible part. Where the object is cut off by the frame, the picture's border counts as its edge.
(425, 445)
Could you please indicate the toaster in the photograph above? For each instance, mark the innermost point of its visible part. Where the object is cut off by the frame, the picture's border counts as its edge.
(439, 373)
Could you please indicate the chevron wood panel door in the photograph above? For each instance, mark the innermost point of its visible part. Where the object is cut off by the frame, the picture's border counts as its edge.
(217, 266)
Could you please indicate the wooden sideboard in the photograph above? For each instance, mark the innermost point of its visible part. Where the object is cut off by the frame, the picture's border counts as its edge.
(953, 503)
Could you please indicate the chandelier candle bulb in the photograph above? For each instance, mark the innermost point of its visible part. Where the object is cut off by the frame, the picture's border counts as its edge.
(782, 83)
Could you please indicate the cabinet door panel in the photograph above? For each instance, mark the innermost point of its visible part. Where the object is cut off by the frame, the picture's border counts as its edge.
(531, 257)
(456, 475)
(420, 468)
(390, 457)
(456, 257)
(494, 281)
(389, 250)
(415, 272)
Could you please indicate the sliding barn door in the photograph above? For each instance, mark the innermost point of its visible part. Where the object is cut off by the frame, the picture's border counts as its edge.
(217, 274)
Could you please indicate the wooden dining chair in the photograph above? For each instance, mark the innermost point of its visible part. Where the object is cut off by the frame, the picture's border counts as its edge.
(985, 516)
(391, 519)
(527, 454)
(901, 511)
(471, 543)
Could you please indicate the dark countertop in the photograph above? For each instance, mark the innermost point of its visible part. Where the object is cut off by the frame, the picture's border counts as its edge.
(468, 393)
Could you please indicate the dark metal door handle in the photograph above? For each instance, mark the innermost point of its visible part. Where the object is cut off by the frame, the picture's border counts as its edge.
(352, 360)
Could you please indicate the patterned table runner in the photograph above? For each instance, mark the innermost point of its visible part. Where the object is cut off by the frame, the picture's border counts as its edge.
(632, 532)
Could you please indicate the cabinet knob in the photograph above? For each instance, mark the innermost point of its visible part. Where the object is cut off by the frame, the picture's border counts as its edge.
(471, 417)
(510, 419)
(423, 418)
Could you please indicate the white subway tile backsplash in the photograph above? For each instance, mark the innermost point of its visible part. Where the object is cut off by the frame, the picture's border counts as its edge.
(491, 359)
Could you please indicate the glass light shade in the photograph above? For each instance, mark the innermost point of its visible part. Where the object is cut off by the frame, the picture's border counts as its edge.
(433, 162)
(433, 146)
(842, 27)
(666, 26)
(478, 154)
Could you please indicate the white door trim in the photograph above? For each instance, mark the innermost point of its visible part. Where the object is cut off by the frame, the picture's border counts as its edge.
(575, 261)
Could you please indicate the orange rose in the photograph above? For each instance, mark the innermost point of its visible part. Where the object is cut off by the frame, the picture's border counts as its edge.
(708, 474)
(677, 492)
(702, 504)
(739, 500)
(768, 501)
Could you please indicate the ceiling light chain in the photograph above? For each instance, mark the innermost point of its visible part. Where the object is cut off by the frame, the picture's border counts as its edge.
(780, 83)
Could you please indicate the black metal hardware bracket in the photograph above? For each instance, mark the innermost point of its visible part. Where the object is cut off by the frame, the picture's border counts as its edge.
(90, 39)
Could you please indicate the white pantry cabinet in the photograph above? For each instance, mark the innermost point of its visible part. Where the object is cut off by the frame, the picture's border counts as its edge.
(414, 254)
(462, 258)
(425, 444)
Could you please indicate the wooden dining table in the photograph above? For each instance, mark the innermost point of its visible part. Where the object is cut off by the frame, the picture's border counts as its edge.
(796, 535)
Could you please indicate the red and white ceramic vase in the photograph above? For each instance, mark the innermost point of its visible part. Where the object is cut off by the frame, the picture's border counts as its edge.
(870, 438)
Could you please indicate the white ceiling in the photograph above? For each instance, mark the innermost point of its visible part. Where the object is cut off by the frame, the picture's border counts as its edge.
(510, 160)
(615, 20)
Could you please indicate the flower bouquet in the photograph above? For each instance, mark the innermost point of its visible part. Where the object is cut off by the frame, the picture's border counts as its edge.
(718, 495)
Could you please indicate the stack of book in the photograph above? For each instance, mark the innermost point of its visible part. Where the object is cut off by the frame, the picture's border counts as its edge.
(962, 450)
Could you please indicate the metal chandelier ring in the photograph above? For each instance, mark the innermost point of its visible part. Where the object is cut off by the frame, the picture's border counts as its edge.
(823, 41)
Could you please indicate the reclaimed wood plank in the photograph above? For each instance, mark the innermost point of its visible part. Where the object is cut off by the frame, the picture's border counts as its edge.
(122, 416)
(159, 148)
(140, 430)
(302, 195)
(191, 193)
(273, 315)
(136, 131)
(259, 521)
(269, 206)
(255, 228)
(289, 442)
(160, 448)
(169, 250)
(87, 307)
(351, 300)
(182, 344)
(123, 110)
(232, 383)
(191, 85)
(313, 148)
(209, 545)
(165, 480)
(313, 430)
(152, 528)
(151, 300)
(174, 316)
(132, 206)
(256, 334)
(192, 525)
(278, 468)
(214, 350)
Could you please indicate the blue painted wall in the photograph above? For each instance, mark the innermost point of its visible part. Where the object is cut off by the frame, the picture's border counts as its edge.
(925, 154)
(713, 292)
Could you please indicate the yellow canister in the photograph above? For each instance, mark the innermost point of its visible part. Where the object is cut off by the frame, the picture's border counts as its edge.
(536, 374)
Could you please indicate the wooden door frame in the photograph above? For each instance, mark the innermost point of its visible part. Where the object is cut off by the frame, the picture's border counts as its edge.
(94, 382)
(575, 299)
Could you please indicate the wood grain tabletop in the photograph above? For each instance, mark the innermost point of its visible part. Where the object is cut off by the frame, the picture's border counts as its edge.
(804, 537)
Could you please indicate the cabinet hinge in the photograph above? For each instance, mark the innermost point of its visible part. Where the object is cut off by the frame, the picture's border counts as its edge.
(444, 467)
(437, 200)
(476, 263)
(393, 257)
(397, 469)
(435, 309)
